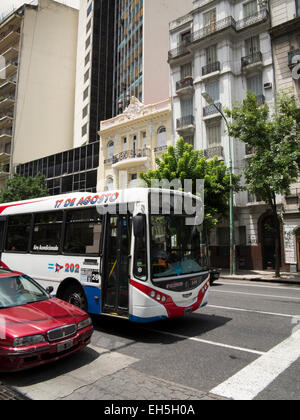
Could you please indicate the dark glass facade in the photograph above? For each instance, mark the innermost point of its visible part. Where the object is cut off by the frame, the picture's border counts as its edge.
(69, 171)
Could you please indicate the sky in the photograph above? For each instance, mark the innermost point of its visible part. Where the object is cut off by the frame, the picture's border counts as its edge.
(7, 6)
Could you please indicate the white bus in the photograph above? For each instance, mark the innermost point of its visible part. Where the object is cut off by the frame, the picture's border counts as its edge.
(110, 253)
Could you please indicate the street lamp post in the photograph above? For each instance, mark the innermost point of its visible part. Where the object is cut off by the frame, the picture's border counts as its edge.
(210, 101)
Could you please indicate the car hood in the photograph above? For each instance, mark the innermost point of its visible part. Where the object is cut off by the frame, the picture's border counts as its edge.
(38, 318)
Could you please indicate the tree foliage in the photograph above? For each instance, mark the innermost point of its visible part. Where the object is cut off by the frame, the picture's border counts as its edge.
(23, 188)
(183, 162)
(273, 136)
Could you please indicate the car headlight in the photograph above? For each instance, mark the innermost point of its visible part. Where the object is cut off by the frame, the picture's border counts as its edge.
(29, 340)
(85, 323)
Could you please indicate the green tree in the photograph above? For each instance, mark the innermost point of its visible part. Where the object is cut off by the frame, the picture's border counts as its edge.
(273, 135)
(183, 162)
(23, 188)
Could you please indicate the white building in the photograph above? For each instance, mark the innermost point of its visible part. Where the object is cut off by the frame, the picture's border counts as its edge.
(223, 48)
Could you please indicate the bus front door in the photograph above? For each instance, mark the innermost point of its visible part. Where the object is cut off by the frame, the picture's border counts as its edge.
(115, 266)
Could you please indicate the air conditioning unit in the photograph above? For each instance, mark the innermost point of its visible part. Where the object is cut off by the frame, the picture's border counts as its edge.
(268, 85)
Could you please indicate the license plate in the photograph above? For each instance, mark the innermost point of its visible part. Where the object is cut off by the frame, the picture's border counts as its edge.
(64, 346)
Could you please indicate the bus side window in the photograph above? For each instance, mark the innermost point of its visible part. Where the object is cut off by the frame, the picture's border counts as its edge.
(2, 227)
(83, 232)
(18, 233)
(47, 232)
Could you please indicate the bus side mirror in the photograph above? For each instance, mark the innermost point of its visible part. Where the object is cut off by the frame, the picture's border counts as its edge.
(139, 223)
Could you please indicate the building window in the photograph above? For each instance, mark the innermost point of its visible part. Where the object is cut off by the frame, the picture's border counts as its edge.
(110, 150)
(213, 89)
(161, 137)
(84, 130)
(213, 132)
(211, 54)
(187, 107)
(298, 7)
(254, 84)
(90, 8)
(85, 93)
(250, 8)
(210, 19)
(252, 45)
(87, 59)
(186, 70)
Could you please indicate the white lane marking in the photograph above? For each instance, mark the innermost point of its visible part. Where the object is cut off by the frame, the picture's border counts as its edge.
(255, 294)
(258, 375)
(227, 283)
(213, 343)
(251, 310)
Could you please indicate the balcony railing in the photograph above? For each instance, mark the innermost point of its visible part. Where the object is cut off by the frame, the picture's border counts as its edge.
(188, 82)
(258, 17)
(180, 50)
(131, 154)
(6, 131)
(160, 149)
(211, 68)
(185, 122)
(211, 109)
(211, 152)
(213, 28)
(294, 58)
(252, 59)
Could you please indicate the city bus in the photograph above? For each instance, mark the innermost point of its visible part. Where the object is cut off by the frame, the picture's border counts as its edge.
(111, 253)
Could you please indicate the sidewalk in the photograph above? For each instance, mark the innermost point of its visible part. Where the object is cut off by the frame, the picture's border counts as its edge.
(266, 276)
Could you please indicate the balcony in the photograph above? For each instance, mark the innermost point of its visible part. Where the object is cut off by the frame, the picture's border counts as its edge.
(5, 135)
(131, 158)
(216, 151)
(9, 39)
(210, 110)
(9, 70)
(185, 86)
(7, 88)
(4, 171)
(185, 125)
(181, 50)
(211, 68)
(261, 16)
(253, 60)
(4, 158)
(161, 149)
(6, 120)
(6, 103)
(294, 58)
(214, 28)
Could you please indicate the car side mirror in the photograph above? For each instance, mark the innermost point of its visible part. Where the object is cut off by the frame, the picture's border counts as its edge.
(49, 289)
(139, 222)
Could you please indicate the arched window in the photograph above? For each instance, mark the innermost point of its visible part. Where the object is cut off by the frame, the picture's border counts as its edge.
(110, 150)
(161, 137)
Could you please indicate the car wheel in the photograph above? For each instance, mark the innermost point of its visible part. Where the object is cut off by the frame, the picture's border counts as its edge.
(75, 295)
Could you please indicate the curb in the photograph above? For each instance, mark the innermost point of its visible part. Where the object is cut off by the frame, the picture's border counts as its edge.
(262, 279)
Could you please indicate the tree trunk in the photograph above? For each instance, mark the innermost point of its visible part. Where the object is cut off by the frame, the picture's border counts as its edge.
(277, 239)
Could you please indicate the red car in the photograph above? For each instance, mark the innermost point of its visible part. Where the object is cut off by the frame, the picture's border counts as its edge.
(34, 328)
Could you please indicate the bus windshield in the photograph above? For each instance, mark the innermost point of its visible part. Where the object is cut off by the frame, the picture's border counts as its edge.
(177, 248)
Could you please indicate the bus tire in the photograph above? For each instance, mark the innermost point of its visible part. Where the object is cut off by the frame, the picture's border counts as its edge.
(75, 295)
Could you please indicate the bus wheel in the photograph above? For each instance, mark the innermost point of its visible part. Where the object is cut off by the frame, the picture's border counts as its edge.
(75, 295)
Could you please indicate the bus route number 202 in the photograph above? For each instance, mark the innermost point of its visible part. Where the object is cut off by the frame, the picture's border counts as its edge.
(72, 268)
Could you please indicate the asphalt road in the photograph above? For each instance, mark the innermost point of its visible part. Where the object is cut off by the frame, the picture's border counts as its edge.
(244, 345)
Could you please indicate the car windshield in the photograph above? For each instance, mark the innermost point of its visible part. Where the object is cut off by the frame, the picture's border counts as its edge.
(20, 290)
(177, 248)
